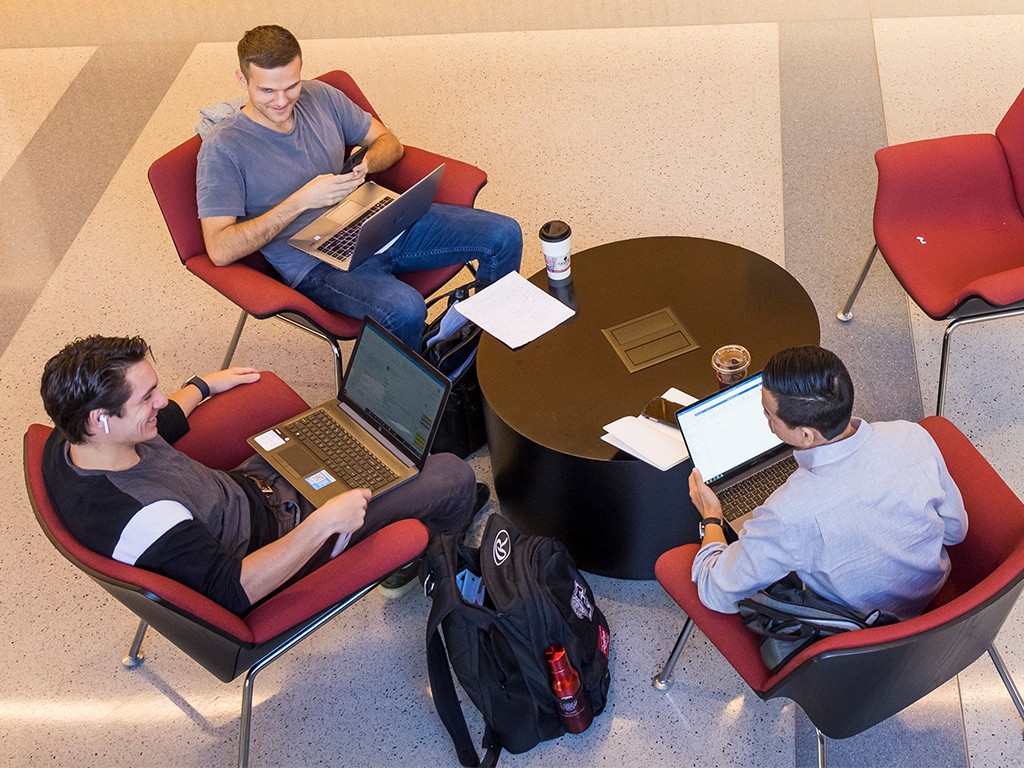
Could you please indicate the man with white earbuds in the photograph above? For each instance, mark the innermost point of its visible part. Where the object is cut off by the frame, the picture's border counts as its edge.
(124, 492)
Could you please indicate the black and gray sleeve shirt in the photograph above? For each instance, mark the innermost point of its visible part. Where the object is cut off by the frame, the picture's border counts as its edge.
(167, 514)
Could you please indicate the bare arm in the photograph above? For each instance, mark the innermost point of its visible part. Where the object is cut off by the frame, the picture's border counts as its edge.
(269, 567)
(385, 148)
(219, 381)
(228, 240)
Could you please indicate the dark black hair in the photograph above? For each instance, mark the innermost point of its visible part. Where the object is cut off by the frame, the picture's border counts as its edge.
(89, 374)
(813, 389)
(268, 47)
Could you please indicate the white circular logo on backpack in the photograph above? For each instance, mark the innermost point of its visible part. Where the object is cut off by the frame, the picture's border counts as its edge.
(502, 547)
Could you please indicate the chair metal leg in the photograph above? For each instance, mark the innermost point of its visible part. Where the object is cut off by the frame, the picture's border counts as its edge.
(234, 340)
(135, 657)
(661, 680)
(1007, 680)
(846, 313)
(821, 747)
(339, 369)
(944, 359)
(245, 719)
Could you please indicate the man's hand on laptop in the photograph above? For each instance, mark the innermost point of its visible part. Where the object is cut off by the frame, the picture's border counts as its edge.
(703, 498)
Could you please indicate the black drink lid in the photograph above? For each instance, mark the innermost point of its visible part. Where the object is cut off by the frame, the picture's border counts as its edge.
(555, 231)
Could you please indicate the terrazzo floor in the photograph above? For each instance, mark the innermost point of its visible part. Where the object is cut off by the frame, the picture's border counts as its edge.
(742, 121)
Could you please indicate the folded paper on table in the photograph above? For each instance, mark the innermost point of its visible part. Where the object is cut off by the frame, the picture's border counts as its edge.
(658, 444)
(644, 440)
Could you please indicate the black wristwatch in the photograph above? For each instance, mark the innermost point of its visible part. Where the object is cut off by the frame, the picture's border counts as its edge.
(709, 521)
(202, 386)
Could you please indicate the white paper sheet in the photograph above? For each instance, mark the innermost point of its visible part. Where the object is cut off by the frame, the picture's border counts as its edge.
(514, 310)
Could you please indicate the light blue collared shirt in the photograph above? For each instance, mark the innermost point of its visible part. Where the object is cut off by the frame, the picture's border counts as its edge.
(863, 521)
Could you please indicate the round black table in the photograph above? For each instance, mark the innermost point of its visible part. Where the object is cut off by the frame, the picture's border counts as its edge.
(546, 403)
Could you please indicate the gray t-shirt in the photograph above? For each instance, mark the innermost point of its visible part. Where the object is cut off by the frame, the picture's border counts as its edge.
(245, 168)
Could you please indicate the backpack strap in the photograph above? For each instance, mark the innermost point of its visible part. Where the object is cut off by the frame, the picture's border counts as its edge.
(446, 701)
(442, 687)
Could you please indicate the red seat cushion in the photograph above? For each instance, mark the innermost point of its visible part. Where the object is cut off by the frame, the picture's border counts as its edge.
(947, 222)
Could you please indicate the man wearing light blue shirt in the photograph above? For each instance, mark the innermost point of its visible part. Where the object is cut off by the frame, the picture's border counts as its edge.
(864, 520)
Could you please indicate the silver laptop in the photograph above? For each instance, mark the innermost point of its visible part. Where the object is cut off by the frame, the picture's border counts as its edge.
(376, 434)
(364, 222)
(738, 456)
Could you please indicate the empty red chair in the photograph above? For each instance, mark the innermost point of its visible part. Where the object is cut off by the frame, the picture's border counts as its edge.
(948, 222)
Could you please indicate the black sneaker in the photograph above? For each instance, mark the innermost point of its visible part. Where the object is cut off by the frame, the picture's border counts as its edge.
(401, 581)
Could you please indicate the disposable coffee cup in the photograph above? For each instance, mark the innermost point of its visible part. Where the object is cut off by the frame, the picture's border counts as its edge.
(554, 240)
(730, 363)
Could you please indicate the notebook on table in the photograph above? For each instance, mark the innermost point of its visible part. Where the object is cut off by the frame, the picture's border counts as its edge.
(376, 434)
(737, 454)
(365, 222)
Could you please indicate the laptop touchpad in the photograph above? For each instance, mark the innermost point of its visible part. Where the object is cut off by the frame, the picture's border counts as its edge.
(344, 211)
(299, 459)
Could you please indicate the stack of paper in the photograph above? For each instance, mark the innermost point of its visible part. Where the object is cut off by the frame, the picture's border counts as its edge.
(656, 443)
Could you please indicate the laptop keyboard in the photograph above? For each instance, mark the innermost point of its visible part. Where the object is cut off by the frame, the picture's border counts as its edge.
(340, 452)
(342, 244)
(751, 492)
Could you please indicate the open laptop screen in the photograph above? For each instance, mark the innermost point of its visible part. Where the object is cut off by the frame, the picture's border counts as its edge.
(397, 391)
(727, 430)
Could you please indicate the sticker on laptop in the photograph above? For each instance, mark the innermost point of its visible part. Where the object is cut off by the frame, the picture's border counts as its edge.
(320, 479)
(268, 441)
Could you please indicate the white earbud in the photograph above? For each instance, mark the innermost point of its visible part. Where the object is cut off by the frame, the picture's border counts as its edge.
(106, 427)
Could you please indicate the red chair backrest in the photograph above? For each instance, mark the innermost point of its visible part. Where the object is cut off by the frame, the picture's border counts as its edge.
(173, 178)
(1011, 136)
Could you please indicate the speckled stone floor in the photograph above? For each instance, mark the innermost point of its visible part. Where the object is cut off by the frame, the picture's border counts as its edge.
(744, 121)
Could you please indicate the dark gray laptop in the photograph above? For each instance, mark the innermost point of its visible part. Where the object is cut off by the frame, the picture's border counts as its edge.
(737, 454)
(364, 222)
(377, 433)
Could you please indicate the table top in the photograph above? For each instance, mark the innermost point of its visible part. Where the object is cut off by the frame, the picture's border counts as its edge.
(561, 389)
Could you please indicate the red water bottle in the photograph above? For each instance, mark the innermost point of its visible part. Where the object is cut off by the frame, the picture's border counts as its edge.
(573, 700)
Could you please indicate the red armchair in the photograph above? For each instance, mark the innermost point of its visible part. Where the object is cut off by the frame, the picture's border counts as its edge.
(252, 283)
(849, 682)
(948, 222)
(225, 644)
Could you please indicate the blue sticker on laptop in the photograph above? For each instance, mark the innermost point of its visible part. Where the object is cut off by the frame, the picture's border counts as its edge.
(320, 479)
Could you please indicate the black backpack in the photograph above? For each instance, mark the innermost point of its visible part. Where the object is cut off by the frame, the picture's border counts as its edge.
(790, 617)
(535, 598)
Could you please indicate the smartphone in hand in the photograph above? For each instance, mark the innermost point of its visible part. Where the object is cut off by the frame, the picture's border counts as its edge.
(353, 160)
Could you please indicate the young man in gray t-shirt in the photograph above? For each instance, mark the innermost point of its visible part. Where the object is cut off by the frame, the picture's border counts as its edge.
(269, 170)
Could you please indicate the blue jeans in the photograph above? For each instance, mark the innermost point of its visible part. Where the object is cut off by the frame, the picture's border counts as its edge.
(446, 235)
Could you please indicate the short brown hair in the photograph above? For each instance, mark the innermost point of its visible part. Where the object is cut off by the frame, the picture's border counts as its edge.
(268, 47)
